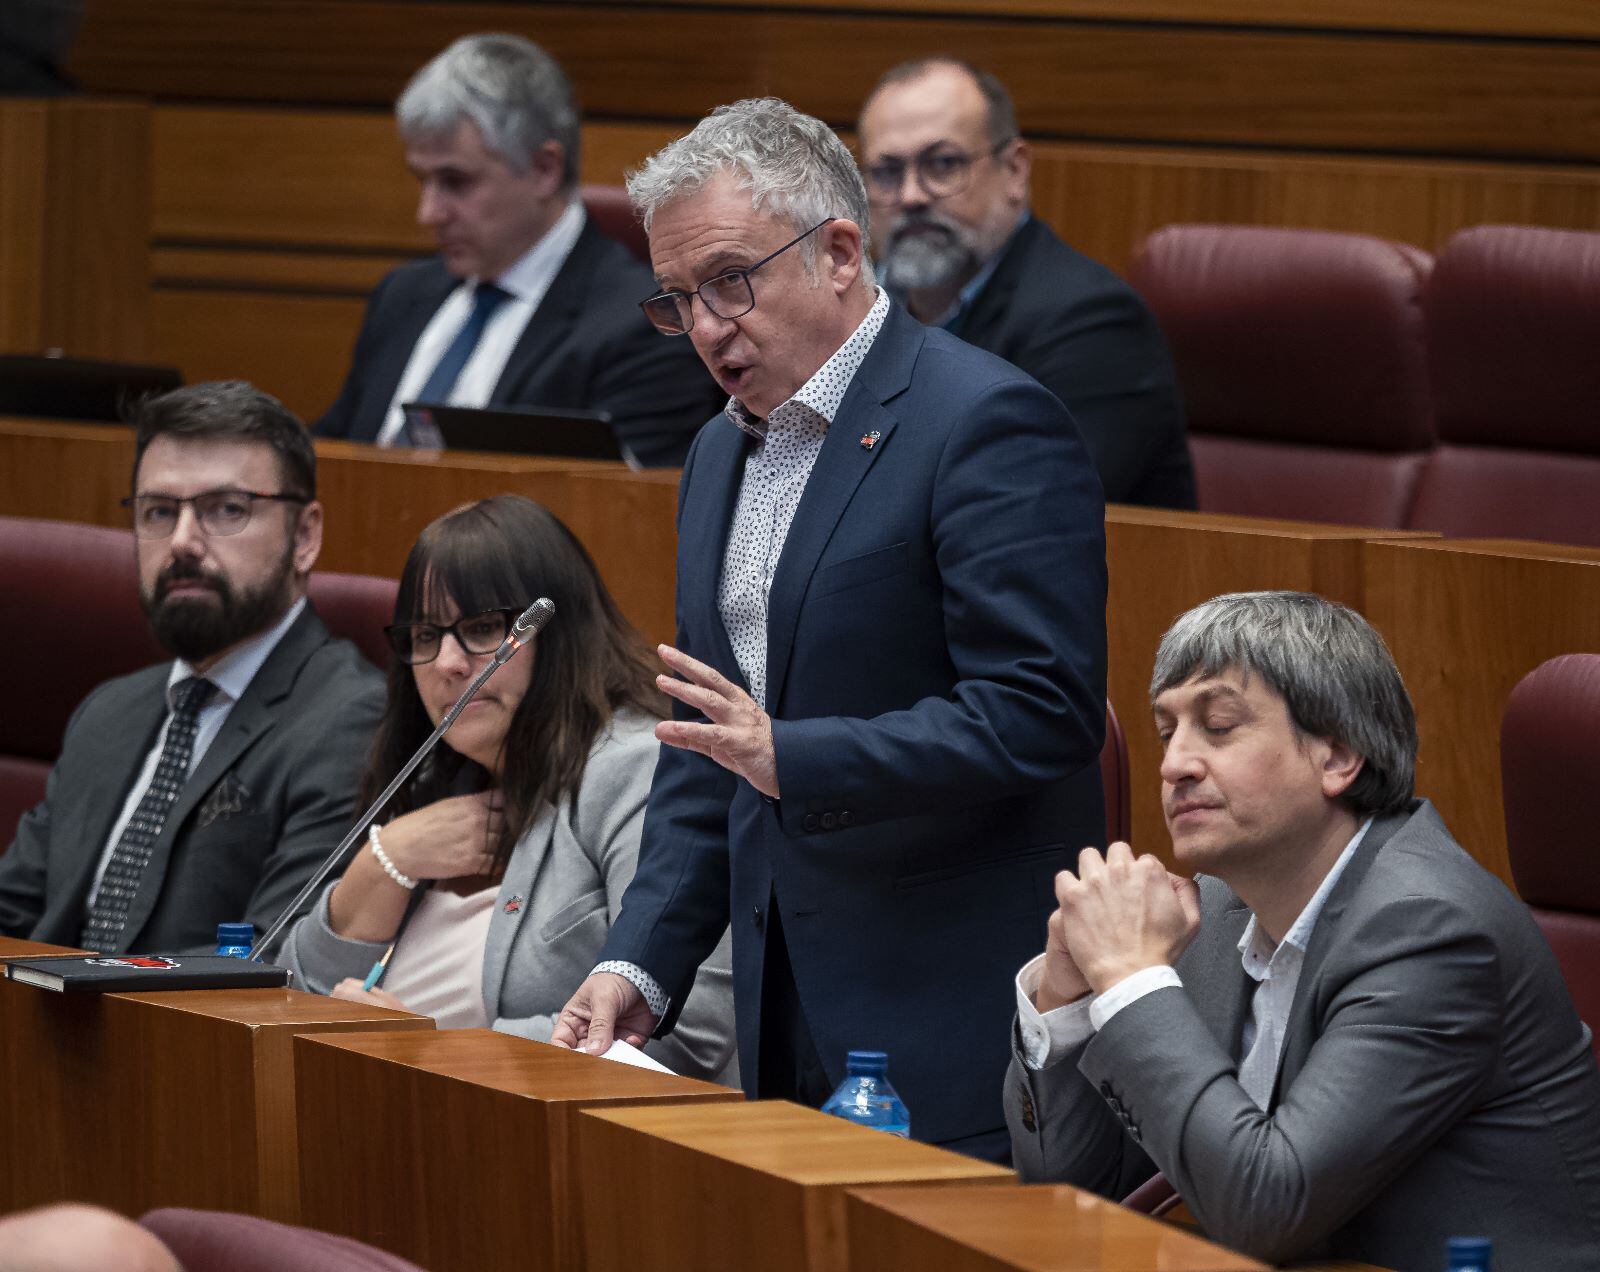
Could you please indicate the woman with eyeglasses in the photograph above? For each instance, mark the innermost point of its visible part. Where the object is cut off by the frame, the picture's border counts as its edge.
(486, 893)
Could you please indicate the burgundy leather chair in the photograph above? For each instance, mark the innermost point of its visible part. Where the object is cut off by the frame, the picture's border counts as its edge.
(1300, 355)
(1549, 740)
(612, 214)
(73, 593)
(1513, 333)
(218, 1241)
(1114, 777)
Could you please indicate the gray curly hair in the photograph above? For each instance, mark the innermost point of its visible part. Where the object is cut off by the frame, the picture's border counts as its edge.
(515, 92)
(792, 164)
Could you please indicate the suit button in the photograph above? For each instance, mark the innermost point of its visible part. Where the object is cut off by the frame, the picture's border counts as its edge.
(755, 916)
(767, 799)
(847, 818)
(808, 822)
(829, 821)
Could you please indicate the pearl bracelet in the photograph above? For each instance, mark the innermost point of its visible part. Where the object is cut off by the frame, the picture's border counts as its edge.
(389, 868)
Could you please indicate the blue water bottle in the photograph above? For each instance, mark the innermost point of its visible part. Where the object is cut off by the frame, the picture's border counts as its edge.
(235, 939)
(1468, 1254)
(866, 1098)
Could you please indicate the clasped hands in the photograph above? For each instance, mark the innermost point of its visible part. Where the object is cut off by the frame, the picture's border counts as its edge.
(1119, 915)
(739, 735)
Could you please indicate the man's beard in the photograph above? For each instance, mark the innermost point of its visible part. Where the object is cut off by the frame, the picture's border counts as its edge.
(195, 628)
(939, 252)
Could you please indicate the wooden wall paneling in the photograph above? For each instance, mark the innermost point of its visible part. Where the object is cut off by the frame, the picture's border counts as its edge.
(1124, 81)
(1106, 199)
(64, 471)
(1163, 563)
(295, 346)
(1031, 1228)
(629, 525)
(74, 227)
(456, 1149)
(1574, 19)
(24, 145)
(1465, 621)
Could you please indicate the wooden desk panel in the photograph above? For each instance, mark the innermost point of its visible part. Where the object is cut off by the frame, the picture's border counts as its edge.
(739, 1185)
(1162, 563)
(183, 1098)
(1029, 1228)
(455, 1149)
(1466, 620)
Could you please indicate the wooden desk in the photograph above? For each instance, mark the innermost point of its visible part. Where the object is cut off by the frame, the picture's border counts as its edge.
(1162, 563)
(739, 1185)
(1466, 619)
(1028, 1228)
(455, 1149)
(183, 1098)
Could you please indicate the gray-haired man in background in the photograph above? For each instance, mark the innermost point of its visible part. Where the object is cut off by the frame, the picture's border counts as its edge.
(526, 303)
(1344, 1038)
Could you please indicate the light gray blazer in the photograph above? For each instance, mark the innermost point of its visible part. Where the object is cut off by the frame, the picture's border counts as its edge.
(1435, 1080)
(565, 882)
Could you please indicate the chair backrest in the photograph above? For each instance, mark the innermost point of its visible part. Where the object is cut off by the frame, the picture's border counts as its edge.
(612, 214)
(1513, 327)
(75, 593)
(1549, 744)
(1114, 777)
(1301, 360)
(219, 1241)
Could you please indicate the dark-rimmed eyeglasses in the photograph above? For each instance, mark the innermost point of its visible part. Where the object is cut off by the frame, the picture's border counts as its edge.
(418, 643)
(941, 171)
(219, 512)
(728, 295)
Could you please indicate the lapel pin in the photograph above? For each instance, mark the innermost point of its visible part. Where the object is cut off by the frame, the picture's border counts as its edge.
(514, 905)
(869, 440)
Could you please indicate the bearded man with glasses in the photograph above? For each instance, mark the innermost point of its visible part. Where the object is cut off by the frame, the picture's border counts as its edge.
(947, 171)
(207, 789)
(890, 662)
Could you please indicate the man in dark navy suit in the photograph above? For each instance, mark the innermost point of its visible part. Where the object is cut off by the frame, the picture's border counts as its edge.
(947, 171)
(891, 644)
(527, 303)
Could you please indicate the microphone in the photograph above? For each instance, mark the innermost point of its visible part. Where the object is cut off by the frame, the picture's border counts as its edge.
(528, 624)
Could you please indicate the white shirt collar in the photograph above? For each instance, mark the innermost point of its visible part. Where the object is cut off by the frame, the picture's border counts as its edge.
(823, 392)
(530, 275)
(232, 675)
(1258, 955)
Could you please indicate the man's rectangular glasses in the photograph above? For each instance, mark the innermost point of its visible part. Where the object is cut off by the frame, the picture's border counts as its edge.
(418, 643)
(220, 512)
(728, 295)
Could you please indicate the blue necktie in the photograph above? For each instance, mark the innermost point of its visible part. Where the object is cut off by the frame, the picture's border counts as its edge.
(485, 300)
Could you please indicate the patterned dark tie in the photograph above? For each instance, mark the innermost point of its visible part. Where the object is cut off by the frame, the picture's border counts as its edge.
(125, 871)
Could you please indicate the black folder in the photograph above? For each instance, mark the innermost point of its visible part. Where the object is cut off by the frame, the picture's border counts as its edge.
(115, 973)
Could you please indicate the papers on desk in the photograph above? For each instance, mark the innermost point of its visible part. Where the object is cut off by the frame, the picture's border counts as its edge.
(624, 1053)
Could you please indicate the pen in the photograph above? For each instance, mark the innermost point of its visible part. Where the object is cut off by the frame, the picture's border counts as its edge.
(378, 968)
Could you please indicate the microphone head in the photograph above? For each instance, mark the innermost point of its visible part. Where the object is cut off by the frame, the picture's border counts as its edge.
(534, 619)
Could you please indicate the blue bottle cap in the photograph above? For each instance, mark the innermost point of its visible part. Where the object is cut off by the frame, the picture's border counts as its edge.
(236, 934)
(1469, 1252)
(872, 1063)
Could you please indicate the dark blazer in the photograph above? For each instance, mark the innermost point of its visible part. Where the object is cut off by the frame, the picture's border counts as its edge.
(1084, 334)
(936, 678)
(1435, 1080)
(588, 346)
(271, 796)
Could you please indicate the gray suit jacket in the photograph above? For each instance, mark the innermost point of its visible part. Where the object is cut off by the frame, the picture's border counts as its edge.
(268, 798)
(1435, 1079)
(567, 876)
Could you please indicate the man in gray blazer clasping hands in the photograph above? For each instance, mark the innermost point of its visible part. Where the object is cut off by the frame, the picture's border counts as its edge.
(1344, 1038)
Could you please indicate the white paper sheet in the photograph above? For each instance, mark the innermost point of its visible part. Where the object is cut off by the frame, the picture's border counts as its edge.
(625, 1053)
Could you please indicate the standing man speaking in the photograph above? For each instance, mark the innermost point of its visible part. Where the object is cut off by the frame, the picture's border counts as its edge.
(891, 651)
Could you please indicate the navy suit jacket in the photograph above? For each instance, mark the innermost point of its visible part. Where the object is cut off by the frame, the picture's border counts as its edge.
(587, 346)
(1084, 334)
(936, 679)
